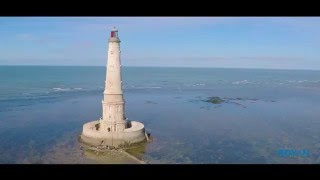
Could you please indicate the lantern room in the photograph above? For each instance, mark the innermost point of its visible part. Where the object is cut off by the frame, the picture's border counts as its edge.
(114, 33)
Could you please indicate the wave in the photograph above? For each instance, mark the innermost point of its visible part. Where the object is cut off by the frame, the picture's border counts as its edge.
(77, 88)
(146, 87)
(309, 88)
(61, 89)
(199, 84)
(301, 81)
(241, 82)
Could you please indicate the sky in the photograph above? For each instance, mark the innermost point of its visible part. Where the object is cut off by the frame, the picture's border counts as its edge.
(227, 42)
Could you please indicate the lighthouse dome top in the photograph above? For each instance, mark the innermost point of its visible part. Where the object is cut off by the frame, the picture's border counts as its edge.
(114, 29)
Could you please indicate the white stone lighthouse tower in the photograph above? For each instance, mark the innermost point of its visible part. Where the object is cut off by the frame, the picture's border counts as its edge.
(113, 118)
(113, 128)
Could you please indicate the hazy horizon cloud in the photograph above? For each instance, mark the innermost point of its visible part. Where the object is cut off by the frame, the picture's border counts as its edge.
(239, 42)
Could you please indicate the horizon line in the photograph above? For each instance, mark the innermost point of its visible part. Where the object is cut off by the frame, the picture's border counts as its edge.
(161, 67)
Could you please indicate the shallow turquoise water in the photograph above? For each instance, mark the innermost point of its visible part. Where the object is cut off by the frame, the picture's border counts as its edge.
(42, 110)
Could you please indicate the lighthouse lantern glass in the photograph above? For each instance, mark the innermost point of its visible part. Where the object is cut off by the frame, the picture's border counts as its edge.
(114, 34)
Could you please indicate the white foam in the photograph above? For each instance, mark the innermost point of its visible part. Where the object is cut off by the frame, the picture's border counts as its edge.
(199, 84)
(150, 87)
(241, 82)
(61, 89)
(300, 81)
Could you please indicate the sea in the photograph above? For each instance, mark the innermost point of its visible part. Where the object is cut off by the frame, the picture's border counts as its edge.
(260, 113)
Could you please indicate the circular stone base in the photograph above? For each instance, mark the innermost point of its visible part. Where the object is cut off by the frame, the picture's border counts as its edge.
(134, 134)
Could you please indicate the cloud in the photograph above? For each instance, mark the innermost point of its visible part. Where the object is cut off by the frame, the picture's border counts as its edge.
(146, 23)
(228, 58)
(25, 37)
(86, 44)
(270, 58)
(83, 45)
(32, 38)
(310, 23)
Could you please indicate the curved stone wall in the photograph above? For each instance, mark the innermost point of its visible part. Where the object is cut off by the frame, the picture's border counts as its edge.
(134, 134)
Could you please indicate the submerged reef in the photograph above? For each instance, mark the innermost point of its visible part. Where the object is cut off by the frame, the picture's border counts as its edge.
(218, 101)
(215, 100)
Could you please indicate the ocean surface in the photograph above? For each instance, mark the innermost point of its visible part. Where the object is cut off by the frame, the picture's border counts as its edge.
(43, 108)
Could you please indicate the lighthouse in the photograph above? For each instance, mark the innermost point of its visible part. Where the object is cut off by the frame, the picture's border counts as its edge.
(113, 118)
(113, 128)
